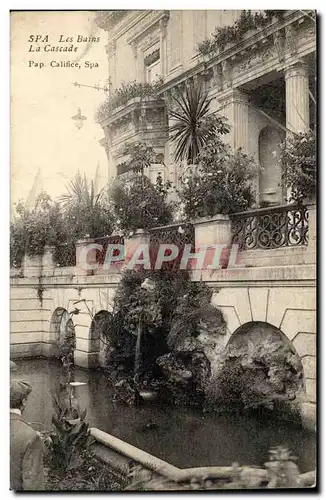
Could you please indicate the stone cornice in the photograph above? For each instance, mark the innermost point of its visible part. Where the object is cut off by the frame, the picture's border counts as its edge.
(105, 19)
(252, 42)
(132, 19)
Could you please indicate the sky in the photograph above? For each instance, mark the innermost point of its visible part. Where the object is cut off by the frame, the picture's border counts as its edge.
(44, 138)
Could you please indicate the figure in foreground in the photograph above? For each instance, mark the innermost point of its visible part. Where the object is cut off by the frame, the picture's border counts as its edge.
(26, 451)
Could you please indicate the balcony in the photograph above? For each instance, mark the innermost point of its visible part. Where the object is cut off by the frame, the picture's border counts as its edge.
(140, 119)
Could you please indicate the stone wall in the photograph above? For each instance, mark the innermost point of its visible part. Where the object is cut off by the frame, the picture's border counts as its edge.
(281, 296)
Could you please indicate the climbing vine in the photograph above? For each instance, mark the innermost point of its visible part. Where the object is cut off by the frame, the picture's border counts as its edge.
(40, 290)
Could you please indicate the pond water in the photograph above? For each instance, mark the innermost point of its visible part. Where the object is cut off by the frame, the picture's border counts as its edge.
(183, 437)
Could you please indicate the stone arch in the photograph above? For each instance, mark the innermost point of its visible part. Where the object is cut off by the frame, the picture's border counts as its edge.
(256, 332)
(270, 177)
(292, 310)
(100, 333)
(61, 328)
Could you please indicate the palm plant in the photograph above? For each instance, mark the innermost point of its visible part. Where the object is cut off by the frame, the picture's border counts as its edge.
(84, 210)
(80, 191)
(193, 127)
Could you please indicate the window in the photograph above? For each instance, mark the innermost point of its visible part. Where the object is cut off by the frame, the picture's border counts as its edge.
(152, 66)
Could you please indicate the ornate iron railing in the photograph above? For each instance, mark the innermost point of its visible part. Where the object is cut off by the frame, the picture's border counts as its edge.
(273, 227)
(174, 234)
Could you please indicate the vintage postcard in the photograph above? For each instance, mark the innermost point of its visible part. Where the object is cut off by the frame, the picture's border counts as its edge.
(163, 250)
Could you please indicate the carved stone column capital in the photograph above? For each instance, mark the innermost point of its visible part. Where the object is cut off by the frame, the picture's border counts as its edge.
(297, 69)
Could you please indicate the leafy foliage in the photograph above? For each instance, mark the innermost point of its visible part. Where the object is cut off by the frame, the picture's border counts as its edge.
(172, 311)
(193, 312)
(33, 228)
(193, 126)
(141, 156)
(125, 93)
(69, 436)
(79, 213)
(70, 433)
(139, 204)
(221, 184)
(299, 166)
(92, 474)
(224, 35)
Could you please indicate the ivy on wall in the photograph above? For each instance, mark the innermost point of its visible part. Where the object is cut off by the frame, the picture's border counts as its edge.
(224, 35)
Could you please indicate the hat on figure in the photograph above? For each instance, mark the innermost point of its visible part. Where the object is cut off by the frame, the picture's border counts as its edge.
(19, 390)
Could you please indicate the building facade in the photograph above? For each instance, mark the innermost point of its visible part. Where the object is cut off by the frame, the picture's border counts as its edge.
(263, 82)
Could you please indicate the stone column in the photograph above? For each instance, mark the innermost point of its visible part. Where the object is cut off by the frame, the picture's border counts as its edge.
(297, 100)
(297, 97)
(236, 111)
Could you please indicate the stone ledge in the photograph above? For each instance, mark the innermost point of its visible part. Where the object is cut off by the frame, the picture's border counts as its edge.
(122, 456)
(278, 273)
(258, 274)
(212, 219)
(278, 257)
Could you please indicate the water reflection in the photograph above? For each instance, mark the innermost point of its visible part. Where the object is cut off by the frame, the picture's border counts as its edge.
(181, 436)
